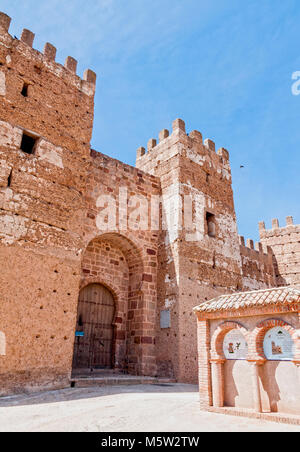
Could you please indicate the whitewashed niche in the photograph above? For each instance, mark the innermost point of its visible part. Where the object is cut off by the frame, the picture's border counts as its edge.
(235, 345)
(2, 344)
(278, 345)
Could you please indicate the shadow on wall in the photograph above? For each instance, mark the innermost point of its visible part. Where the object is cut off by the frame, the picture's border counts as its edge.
(270, 386)
(280, 281)
(276, 380)
(238, 384)
(231, 390)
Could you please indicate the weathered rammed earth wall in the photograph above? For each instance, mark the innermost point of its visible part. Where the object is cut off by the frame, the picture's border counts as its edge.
(284, 243)
(257, 266)
(135, 289)
(41, 209)
(51, 244)
(194, 265)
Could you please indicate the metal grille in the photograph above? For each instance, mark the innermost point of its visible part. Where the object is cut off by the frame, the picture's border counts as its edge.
(96, 311)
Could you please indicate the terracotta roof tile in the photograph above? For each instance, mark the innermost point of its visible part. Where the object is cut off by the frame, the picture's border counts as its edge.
(231, 302)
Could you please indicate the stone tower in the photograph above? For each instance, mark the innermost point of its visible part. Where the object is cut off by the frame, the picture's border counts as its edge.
(199, 254)
(46, 124)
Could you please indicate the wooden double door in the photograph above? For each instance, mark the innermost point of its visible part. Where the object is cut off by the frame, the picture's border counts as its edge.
(94, 341)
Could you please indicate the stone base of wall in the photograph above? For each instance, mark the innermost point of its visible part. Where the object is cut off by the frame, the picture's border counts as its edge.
(31, 382)
(165, 369)
(271, 417)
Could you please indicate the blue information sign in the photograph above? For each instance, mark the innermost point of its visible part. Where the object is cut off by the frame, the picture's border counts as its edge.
(79, 334)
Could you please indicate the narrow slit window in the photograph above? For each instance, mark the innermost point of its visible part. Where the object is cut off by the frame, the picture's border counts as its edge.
(211, 224)
(28, 143)
(9, 179)
(24, 91)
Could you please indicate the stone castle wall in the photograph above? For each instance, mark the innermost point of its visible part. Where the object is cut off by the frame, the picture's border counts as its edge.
(285, 245)
(48, 213)
(53, 191)
(41, 202)
(196, 263)
(257, 265)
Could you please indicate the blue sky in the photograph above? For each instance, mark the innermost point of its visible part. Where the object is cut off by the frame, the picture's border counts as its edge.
(224, 66)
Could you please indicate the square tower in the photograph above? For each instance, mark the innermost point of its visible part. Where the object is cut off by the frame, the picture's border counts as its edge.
(199, 254)
(46, 125)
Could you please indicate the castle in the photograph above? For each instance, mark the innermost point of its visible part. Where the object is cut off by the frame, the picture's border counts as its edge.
(77, 295)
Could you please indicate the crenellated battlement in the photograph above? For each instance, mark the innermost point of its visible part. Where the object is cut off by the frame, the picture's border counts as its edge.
(257, 264)
(179, 128)
(41, 96)
(190, 145)
(257, 247)
(5, 21)
(68, 71)
(276, 226)
(285, 244)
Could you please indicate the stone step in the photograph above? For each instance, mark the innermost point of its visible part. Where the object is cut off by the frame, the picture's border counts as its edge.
(84, 373)
(116, 380)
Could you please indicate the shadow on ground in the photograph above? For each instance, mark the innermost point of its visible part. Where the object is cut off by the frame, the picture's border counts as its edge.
(71, 394)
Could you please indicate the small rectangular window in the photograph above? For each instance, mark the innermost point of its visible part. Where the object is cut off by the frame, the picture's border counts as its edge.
(28, 143)
(211, 224)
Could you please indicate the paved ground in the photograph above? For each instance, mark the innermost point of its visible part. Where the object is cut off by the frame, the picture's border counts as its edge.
(152, 408)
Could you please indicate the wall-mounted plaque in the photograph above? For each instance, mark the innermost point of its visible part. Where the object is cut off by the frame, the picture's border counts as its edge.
(235, 345)
(278, 345)
(165, 319)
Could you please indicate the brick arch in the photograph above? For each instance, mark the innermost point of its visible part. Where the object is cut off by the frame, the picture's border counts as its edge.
(133, 292)
(134, 254)
(258, 336)
(103, 262)
(138, 280)
(219, 335)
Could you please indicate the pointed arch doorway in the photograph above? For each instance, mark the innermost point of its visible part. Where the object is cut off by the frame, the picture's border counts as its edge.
(94, 341)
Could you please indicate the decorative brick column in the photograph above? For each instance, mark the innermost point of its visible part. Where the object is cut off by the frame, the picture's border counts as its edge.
(218, 382)
(205, 386)
(224, 314)
(255, 384)
(296, 339)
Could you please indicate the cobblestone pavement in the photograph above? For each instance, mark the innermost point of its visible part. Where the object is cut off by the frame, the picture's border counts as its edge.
(142, 408)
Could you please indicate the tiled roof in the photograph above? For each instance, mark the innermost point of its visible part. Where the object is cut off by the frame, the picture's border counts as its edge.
(232, 302)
